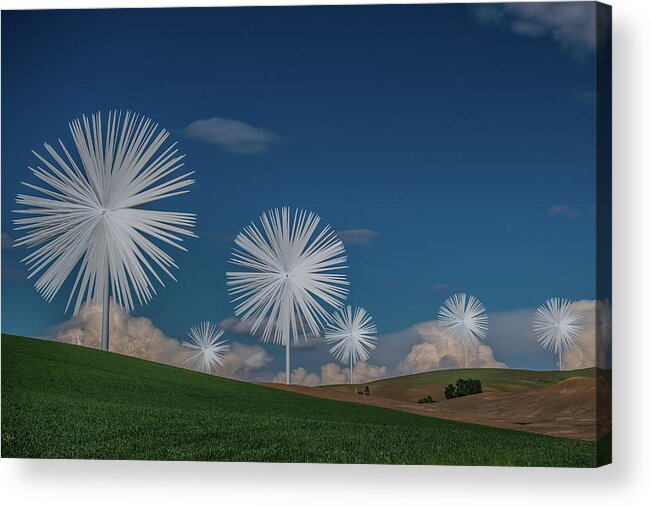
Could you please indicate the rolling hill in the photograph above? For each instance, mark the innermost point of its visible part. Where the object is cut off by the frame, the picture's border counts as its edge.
(418, 385)
(574, 407)
(66, 401)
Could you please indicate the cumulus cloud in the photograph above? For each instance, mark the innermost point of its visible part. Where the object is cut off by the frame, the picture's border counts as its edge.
(438, 350)
(587, 352)
(333, 373)
(362, 372)
(139, 337)
(300, 376)
(570, 24)
(235, 325)
(129, 335)
(357, 236)
(233, 136)
(511, 337)
(243, 360)
(511, 334)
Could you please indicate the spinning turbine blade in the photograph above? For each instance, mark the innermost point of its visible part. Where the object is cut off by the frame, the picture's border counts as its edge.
(557, 326)
(464, 317)
(207, 352)
(352, 335)
(291, 272)
(87, 220)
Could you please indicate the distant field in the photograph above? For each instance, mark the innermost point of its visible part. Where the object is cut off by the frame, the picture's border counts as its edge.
(413, 387)
(575, 407)
(65, 401)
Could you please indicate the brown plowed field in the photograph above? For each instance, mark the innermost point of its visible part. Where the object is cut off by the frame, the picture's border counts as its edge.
(566, 409)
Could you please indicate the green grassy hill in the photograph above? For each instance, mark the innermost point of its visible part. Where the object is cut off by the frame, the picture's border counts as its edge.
(65, 401)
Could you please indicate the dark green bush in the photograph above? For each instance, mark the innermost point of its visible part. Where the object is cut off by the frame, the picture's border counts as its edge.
(427, 399)
(462, 387)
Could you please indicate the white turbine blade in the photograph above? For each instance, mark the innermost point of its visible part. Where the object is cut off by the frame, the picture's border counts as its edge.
(207, 352)
(351, 334)
(88, 217)
(557, 325)
(291, 273)
(464, 318)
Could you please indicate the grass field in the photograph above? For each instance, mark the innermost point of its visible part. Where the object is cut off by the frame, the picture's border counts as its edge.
(65, 401)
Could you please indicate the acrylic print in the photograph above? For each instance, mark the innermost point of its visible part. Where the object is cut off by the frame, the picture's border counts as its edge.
(344, 234)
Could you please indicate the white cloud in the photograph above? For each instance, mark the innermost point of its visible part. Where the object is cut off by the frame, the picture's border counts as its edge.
(587, 352)
(243, 360)
(438, 350)
(233, 136)
(139, 337)
(570, 24)
(558, 209)
(333, 373)
(300, 377)
(357, 236)
(235, 325)
(131, 336)
(514, 331)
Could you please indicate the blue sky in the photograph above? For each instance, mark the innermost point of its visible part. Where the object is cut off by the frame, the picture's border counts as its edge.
(458, 140)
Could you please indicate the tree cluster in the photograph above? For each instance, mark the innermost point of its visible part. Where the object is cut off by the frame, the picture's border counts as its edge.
(462, 387)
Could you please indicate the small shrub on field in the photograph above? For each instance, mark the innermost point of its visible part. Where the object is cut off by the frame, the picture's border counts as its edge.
(427, 399)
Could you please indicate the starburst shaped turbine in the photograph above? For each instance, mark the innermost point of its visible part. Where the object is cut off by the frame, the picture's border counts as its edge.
(352, 336)
(93, 215)
(464, 318)
(557, 325)
(207, 352)
(292, 273)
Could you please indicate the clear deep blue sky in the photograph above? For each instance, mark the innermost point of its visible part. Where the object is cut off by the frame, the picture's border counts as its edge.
(448, 137)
